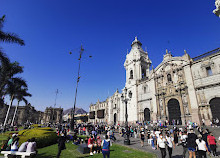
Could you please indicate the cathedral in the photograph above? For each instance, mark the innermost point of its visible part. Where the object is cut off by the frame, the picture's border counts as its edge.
(179, 89)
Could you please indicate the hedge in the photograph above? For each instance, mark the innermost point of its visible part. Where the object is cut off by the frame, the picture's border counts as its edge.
(44, 136)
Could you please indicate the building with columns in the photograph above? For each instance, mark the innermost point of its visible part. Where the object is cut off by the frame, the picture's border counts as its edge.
(180, 88)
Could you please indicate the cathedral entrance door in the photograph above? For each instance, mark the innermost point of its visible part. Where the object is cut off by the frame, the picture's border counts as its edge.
(174, 111)
(146, 114)
(215, 108)
(115, 118)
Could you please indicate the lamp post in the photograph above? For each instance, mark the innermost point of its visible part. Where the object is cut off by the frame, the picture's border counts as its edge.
(72, 122)
(125, 100)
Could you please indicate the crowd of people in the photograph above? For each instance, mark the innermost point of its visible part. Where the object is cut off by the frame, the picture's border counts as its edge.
(193, 140)
(97, 137)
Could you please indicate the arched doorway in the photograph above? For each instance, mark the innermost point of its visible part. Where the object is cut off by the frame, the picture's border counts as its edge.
(146, 114)
(115, 118)
(174, 111)
(215, 107)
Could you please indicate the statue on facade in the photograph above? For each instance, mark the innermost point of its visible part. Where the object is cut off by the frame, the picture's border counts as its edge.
(161, 107)
(184, 99)
(217, 10)
(186, 109)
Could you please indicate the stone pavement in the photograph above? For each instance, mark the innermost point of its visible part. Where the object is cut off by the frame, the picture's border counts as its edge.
(136, 144)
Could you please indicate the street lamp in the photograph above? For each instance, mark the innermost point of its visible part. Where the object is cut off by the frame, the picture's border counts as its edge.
(72, 122)
(125, 100)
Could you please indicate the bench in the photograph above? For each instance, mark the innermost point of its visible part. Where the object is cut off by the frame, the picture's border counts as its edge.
(83, 148)
(18, 153)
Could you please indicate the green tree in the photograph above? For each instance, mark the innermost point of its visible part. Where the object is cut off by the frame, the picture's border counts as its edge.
(7, 69)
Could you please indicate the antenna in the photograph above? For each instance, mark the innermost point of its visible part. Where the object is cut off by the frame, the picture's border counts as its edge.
(56, 92)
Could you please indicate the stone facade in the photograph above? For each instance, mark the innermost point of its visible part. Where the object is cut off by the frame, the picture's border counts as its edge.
(53, 115)
(98, 113)
(25, 114)
(179, 88)
(28, 114)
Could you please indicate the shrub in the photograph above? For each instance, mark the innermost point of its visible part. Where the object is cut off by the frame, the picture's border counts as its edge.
(44, 136)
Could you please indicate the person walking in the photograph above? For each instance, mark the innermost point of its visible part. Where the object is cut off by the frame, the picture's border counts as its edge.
(201, 147)
(61, 144)
(191, 143)
(142, 136)
(161, 144)
(175, 137)
(106, 143)
(212, 143)
(170, 144)
(183, 139)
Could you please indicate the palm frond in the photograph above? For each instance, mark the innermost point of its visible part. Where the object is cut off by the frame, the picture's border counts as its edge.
(19, 82)
(2, 20)
(11, 38)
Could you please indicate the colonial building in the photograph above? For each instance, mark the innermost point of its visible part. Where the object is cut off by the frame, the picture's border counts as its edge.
(99, 112)
(24, 114)
(28, 114)
(179, 88)
(53, 115)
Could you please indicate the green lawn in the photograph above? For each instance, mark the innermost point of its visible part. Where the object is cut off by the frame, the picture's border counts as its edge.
(117, 151)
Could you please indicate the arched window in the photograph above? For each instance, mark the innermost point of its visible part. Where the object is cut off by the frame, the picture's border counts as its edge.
(145, 88)
(169, 78)
(143, 73)
(131, 74)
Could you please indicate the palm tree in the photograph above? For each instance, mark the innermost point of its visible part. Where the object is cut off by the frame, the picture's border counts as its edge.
(7, 69)
(20, 96)
(9, 37)
(12, 89)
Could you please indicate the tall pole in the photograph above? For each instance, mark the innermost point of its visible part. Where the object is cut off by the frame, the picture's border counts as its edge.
(55, 105)
(125, 99)
(72, 123)
(56, 98)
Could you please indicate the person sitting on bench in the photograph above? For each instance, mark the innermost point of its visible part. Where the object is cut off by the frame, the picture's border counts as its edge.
(90, 144)
(23, 146)
(14, 145)
(99, 142)
(32, 146)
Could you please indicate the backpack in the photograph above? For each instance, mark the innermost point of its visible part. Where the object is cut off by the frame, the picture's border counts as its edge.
(106, 145)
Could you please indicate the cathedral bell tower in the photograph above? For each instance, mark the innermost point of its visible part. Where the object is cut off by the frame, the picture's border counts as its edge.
(137, 66)
(137, 63)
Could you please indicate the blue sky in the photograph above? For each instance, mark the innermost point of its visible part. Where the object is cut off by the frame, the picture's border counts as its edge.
(52, 28)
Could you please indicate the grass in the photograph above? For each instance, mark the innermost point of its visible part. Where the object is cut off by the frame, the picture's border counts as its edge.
(117, 151)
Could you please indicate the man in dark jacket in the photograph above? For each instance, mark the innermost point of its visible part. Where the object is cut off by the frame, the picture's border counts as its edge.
(61, 144)
(191, 143)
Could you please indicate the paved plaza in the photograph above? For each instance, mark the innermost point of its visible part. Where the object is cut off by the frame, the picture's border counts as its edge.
(177, 152)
